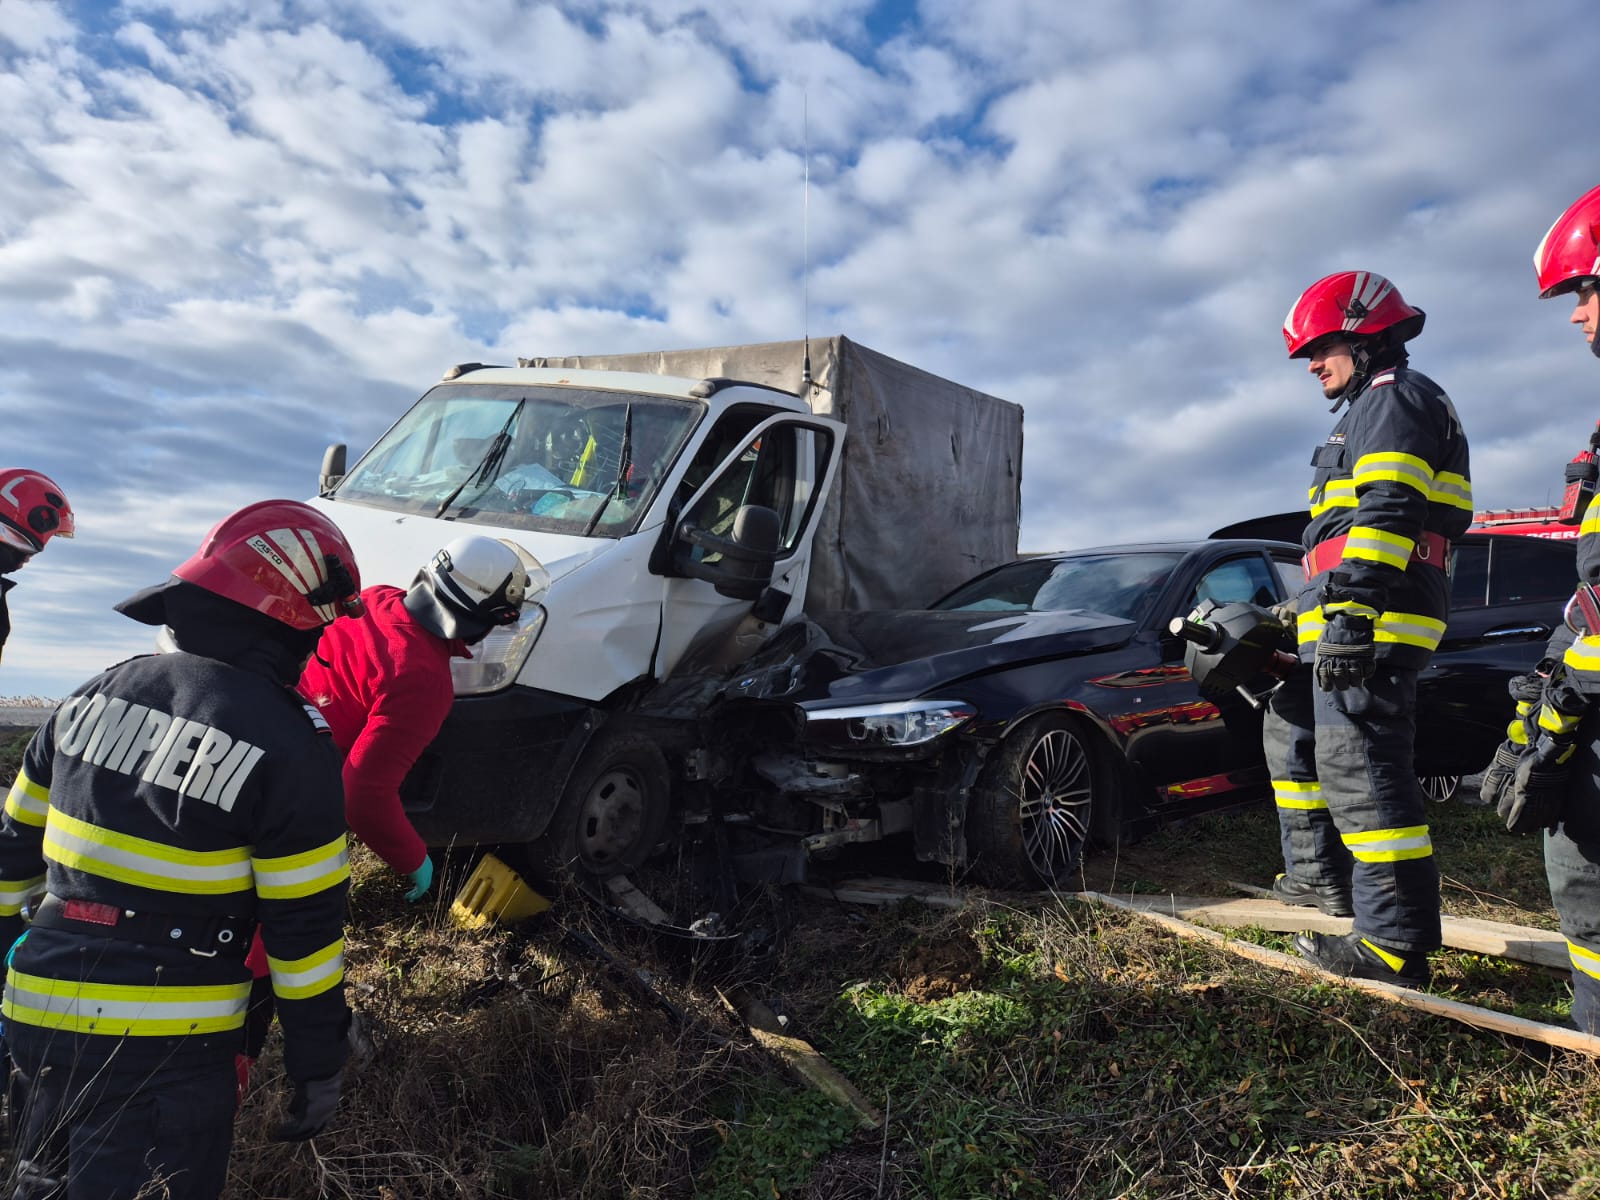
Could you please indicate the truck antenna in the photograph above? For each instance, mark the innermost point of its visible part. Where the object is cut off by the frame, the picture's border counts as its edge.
(805, 242)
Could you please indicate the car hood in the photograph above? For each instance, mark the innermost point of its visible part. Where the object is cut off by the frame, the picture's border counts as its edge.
(860, 657)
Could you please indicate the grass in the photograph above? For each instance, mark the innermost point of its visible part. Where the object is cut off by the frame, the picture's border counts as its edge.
(1017, 1048)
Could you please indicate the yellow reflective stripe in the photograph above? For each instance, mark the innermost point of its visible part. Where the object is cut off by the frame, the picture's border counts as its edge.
(1378, 545)
(1556, 722)
(1297, 794)
(14, 894)
(1393, 467)
(139, 861)
(1583, 959)
(1591, 522)
(1392, 960)
(303, 874)
(27, 802)
(1389, 845)
(1354, 607)
(1583, 654)
(1452, 490)
(124, 1010)
(1408, 629)
(300, 978)
(1336, 493)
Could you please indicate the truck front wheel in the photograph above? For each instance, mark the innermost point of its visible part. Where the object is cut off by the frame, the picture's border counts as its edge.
(614, 808)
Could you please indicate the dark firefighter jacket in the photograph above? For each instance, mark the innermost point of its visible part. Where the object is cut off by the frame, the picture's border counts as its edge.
(1394, 468)
(183, 787)
(1582, 654)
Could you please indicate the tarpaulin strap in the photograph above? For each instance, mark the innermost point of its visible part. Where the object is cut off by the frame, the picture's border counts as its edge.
(1433, 550)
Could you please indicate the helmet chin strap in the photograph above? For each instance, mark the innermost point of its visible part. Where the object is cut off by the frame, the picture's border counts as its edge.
(1361, 359)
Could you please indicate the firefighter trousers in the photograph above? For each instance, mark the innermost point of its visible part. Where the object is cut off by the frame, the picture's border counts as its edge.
(1572, 867)
(88, 1128)
(1312, 851)
(1359, 813)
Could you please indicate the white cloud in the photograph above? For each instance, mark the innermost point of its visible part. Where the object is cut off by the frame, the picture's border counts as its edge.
(233, 232)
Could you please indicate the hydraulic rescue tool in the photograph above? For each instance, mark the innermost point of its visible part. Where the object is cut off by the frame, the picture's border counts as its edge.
(1236, 647)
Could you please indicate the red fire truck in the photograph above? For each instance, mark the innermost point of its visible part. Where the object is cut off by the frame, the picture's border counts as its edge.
(1530, 522)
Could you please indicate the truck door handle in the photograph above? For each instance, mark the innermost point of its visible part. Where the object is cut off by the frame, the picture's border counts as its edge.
(1522, 631)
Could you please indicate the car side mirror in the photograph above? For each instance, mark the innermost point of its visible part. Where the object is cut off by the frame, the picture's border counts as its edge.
(333, 459)
(748, 554)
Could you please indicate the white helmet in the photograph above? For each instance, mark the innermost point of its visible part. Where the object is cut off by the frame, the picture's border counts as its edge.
(473, 584)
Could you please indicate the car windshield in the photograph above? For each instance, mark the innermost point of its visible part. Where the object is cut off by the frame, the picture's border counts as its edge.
(556, 459)
(1119, 585)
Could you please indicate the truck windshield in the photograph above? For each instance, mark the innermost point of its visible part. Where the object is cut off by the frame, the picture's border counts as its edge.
(559, 460)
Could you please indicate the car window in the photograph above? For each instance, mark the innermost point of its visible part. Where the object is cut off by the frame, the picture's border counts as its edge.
(1291, 574)
(1469, 575)
(1530, 569)
(1245, 578)
(1120, 585)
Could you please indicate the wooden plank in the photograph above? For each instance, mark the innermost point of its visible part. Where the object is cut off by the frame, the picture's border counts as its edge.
(1468, 1014)
(802, 1058)
(873, 890)
(1540, 947)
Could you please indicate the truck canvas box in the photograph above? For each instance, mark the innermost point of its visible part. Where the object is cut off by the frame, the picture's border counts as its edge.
(683, 505)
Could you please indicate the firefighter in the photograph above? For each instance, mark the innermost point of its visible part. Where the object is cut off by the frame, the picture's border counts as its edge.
(1547, 776)
(33, 509)
(166, 808)
(383, 684)
(1389, 492)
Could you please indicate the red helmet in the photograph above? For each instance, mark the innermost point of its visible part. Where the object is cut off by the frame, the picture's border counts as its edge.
(282, 558)
(33, 509)
(1570, 252)
(1355, 303)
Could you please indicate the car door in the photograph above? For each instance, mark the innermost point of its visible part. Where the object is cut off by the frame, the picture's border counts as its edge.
(786, 463)
(1209, 746)
(1507, 593)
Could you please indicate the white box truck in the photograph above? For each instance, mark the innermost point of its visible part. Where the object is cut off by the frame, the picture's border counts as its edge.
(685, 504)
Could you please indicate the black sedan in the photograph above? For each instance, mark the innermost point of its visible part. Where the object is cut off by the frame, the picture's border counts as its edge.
(1044, 704)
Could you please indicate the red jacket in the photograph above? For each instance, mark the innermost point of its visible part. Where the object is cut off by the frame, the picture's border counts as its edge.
(385, 692)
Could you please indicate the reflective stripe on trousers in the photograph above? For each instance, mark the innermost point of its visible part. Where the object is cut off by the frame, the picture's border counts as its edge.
(1364, 758)
(1572, 866)
(1312, 850)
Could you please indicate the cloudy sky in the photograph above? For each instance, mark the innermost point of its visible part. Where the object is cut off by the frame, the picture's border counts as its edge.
(232, 231)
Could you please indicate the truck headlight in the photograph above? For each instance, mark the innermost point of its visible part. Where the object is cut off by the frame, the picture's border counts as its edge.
(497, 659)
(908, 723)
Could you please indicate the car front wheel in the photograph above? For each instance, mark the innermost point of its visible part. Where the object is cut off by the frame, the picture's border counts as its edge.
(1439, 787)
(1031, 809)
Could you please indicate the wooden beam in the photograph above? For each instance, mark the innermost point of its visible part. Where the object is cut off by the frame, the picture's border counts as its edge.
(802, 1058)
(1468, 1014)
(1540, 947)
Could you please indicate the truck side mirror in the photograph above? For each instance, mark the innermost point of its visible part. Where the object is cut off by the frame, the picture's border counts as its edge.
(332, 468)
(747, 555)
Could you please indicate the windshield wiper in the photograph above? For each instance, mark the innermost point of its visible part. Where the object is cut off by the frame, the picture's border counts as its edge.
(489, 465)
(624, 465)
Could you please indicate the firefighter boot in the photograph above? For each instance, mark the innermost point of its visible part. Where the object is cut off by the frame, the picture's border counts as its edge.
(1357, 957)
(1331, 898)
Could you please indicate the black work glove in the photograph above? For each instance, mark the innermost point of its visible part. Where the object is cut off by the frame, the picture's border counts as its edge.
(1345, 654)
(1502, 770)
(1539, 788)
(310, 1110)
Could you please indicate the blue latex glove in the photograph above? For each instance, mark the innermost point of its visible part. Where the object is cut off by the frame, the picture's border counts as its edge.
(421, 880)
(1345, 655)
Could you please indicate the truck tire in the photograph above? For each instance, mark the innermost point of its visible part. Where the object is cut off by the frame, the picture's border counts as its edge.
(1033, 806)
(614, 809)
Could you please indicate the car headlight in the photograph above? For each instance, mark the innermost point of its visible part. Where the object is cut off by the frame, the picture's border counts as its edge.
(908, 723)
(497, 659)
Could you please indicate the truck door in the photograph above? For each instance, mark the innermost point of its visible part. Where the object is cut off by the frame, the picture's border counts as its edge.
(786, 463)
